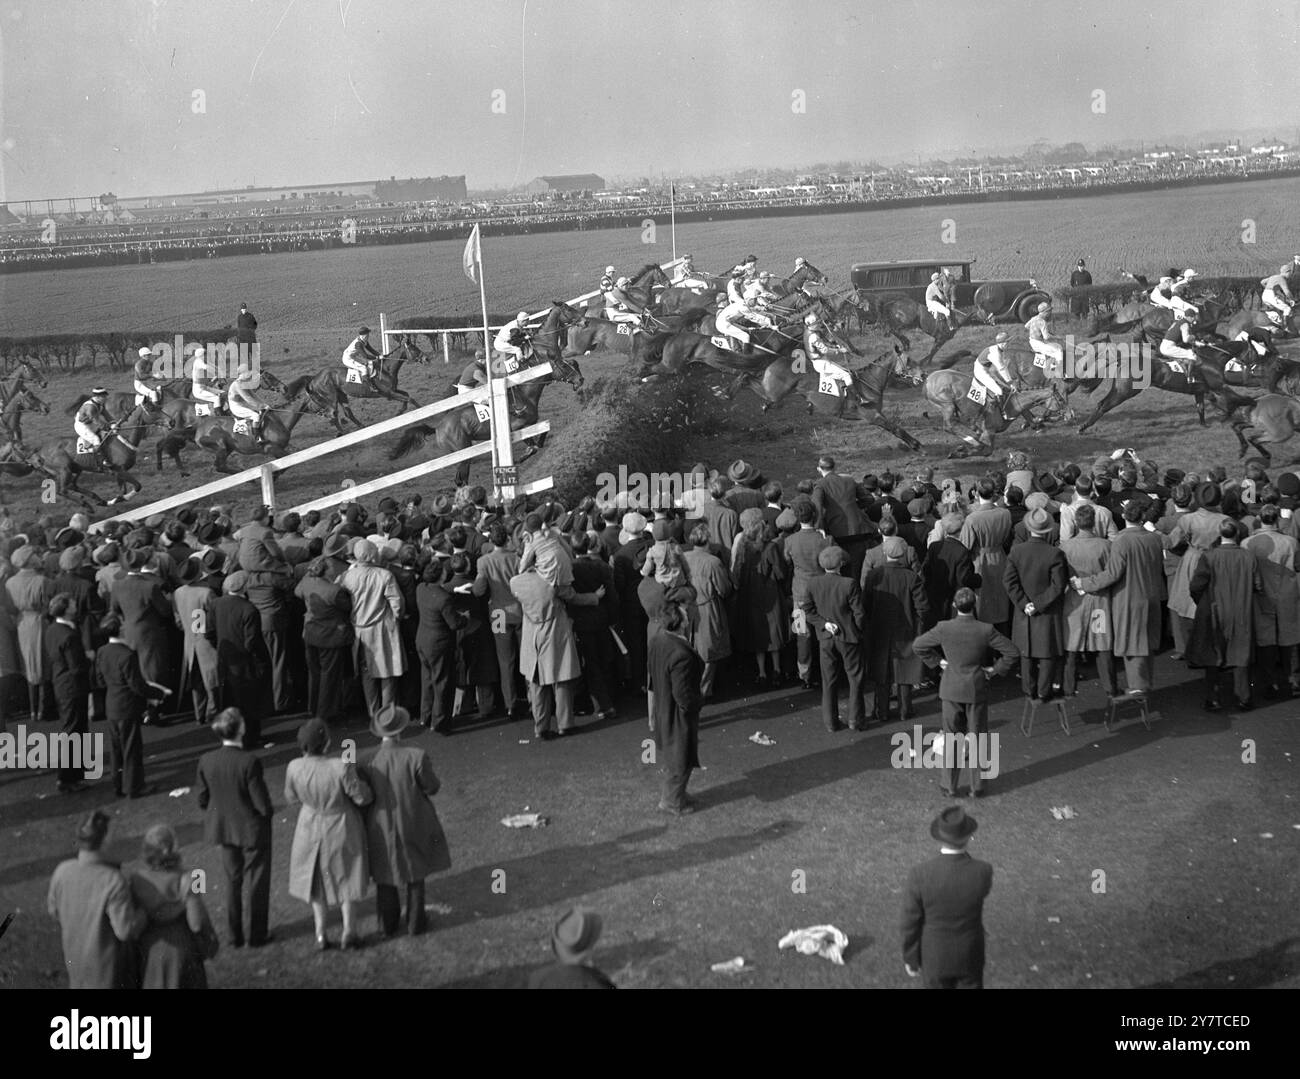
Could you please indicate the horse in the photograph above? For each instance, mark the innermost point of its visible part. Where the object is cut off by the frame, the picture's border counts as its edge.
(61, 461)
(793, 374)
(1271, 420)
(947, 389)
(669, 354)
(1155, 322)
(550, 338)
(11, 416)
(331, 389)
(461, 427)
(173, 398)
(899, 314)
(14, 383)
(217, 434)
(1210, 382)
(640, 290)
(1247, 319)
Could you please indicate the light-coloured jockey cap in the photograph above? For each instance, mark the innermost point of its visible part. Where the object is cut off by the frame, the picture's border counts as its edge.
(1000, 338)
(1189, 274)
(522, 316)
(810, 318)
(609, 269)
(1285, 269)
(934, 276)
(766, 275)
(1044, 307)
(800, 261)
(622, 281)
(143, 352)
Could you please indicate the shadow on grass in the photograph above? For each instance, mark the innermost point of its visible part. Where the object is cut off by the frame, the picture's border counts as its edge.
(1268, 966)
(612, 961)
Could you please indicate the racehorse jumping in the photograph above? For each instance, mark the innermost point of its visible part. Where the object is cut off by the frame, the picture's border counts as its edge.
(218, 435)
(897, 315)
(793, 374)
(1270, 420)
(461, 427)
(331, 390)
(948, 389)
(549, 341)
(117, 455)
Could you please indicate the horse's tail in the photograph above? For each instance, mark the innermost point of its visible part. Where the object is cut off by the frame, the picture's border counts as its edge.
(71, 410)
(412, 439)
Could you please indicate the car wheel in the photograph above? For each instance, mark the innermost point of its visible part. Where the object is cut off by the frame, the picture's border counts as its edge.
(1029, 305)
(991, 299)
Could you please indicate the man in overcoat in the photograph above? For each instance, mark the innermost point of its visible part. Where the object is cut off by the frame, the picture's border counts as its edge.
(675, 671)
(1035, 580)
(1224, 586)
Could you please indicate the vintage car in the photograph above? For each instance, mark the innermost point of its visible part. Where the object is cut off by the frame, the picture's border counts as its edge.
(878, 283)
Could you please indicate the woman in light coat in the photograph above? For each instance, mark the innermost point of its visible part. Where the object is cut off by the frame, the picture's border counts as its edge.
(30, 592)
(712, 584)
(179, 934)
(327, 865)
(376, 610)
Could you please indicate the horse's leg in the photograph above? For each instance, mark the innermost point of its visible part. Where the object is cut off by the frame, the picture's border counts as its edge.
(879, 419)
(1200, 407)
(1111, 398)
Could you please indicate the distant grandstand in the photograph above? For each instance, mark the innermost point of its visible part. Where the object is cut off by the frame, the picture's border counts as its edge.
(582, 181)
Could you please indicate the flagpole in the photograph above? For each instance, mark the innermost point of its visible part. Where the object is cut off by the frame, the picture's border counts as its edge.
(499, 424)
(672, 210)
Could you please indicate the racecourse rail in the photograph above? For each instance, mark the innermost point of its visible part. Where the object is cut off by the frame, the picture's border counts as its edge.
(264, 474)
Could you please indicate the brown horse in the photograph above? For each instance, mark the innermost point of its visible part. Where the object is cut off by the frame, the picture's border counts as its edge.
(865, 400)
(331, 391)
(218, 435)
(61, 461)
(11, 416)
(24, 373)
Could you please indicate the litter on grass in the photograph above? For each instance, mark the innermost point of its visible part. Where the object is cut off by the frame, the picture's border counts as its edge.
(179, 792)
(823, 940)
(525, 820)
(761, 739)
(731, 966)
(1064, 812)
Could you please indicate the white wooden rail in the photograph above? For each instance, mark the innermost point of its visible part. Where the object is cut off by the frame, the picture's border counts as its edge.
(264, 473)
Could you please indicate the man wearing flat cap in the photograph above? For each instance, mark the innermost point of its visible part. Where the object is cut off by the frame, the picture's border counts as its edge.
(1036, 577)
(943, 909)
(572, 940)
(832, 606)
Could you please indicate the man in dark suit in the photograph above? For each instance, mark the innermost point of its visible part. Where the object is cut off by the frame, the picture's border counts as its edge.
(591, 625)
(841, 504)
(237, 818)
(832, 604)
(246, 326)
(243, 662)
(1035, 578)
(943, 908)
(961, 646)
(1080, 278)
(675, 671)
(948, 568)
(146, 614)
(492, 580)
(126, 694)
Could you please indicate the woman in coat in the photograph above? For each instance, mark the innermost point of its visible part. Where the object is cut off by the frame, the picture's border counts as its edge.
(1277, 607)
(712, 584)
(762, 594)
(376, 609)
(30, 591)
(327, 865)
(435, 644)
(403, 834)
(178, 936)
(894, 608)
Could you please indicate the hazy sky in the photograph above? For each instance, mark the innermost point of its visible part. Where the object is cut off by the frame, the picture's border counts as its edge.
(99, 95)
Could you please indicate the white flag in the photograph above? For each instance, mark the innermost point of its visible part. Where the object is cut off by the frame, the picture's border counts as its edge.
(473, 259)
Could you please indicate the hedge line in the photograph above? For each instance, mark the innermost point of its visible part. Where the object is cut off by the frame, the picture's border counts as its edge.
(64, 349)
(1238, 292)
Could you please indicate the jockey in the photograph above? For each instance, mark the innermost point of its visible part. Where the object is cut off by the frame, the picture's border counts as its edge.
(814, 277)
(144, 370)
(91, 422)
(736, 286)
(619, 306)
(512, 339)
(1176, 291)
(474, 375)
(244, 404)
(992, 370)
(936, 298)
(1042, 342)
(687, 276)
(607, 280)
(1177, 344)
(360, 356)
(750, 268)
(202, 388)
(759, 291)
(730, 318)
(1277, 293)
(817, 347)
(1161, 294)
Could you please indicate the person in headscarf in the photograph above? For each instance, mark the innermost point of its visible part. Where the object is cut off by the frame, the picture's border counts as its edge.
(178, 935)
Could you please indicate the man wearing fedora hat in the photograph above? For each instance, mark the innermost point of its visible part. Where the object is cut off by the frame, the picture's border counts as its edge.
(1035, 579)
(943, 909)
(745, 492)
(200, 584)
(573, 939)
(403, 834)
